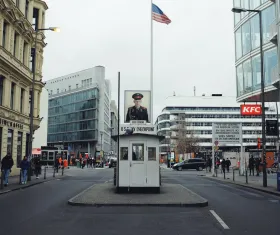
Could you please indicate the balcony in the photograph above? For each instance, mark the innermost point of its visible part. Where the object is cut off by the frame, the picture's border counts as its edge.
(273, 34)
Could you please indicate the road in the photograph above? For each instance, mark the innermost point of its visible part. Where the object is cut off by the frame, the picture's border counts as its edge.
(43, 210)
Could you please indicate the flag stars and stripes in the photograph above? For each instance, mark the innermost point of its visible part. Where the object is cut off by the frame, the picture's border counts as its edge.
(159, 16)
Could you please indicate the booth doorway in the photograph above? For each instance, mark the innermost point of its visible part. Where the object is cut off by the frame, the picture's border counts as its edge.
(138, 164)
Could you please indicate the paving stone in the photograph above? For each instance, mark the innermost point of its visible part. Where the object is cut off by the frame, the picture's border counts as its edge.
(170, 195)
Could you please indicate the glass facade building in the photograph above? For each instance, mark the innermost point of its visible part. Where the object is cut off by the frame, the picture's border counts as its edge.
(73, 117)
(247, 47)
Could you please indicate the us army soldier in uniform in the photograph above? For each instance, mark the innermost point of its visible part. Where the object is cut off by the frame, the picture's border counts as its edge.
(137, 112)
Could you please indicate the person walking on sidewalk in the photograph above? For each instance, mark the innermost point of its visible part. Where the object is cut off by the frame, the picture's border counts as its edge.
(37, 164)
(223, 164)
(24, 166)
(6, 166)
(228, 164)
(251, 165)
(257, 163)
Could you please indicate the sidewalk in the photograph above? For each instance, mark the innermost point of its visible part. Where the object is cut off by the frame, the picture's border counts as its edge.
(254, 182)
(14, 180)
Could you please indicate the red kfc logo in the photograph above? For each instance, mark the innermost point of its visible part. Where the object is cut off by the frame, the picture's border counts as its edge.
(251, 109)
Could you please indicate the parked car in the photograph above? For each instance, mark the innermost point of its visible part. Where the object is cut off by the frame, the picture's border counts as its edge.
(194, 163)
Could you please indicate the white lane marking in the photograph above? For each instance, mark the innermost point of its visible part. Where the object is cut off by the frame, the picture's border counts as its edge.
(219, 219)
(274, 201)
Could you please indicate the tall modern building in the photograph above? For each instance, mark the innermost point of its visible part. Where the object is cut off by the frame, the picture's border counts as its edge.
(18, 21)
(114, 126)
(79, 111)
(197, 113)
(247, 50)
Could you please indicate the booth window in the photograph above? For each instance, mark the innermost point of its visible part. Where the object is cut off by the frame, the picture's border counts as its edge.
(137, 152)
(124, 153)
(152, 154)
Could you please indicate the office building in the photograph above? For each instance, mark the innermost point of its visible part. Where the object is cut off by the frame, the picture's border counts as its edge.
(16, 44)
(79, 111)
(114, 127)
(247, 50)
(197, 113)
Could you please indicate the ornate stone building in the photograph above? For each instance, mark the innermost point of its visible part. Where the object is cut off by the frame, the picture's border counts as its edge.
(18, 21)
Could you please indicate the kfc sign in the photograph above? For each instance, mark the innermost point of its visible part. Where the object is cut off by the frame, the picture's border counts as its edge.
(251, 109)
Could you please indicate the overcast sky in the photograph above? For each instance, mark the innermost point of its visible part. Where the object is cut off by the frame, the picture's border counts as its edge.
(196, 49)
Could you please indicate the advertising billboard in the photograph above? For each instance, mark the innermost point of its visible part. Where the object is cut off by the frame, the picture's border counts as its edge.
(251, 110)
(137, 105)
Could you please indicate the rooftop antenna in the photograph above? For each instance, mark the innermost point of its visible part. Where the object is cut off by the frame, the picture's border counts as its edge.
(194, 90)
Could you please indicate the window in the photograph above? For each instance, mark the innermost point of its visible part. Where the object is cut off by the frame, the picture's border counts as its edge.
(35, 21)
(254, 4)
(237, 16)
(245, 5)
(152, 154)
(4, 36)
(57, 91)
(238, 44)
(239, 74)
(124, 153)
(16, 37)
(25, 47)
(256, 69)
(10, 141)
(248, 79)
(19, 148)
(246, 38)
(77, 85)
(26, 8)
(1, 89)
(138, 152)
(21, 99)
(17, 3)
(13, 87)
(268, 17)
(69, 88)
(270, 66)
(255, 32)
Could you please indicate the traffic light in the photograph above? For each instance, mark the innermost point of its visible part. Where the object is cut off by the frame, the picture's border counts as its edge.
(259, 143)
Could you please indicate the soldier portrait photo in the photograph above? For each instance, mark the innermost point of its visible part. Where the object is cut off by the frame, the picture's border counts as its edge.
(135, 109)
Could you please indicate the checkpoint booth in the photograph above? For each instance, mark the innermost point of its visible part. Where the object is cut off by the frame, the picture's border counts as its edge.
(139, 167)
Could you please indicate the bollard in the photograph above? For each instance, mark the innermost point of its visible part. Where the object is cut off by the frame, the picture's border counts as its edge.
(246, 173)
(20, 172)
(53, 171)
(2, 179)
(62, 170)
(233, 175)
(45, 173)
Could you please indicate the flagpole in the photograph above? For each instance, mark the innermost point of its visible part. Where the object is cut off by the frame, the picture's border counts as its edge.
(152, 69)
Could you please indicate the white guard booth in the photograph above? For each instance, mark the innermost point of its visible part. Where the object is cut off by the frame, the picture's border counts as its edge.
(139, 169)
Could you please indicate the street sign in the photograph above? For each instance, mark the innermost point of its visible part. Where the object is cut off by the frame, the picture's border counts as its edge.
(271, 127)
(227, 133)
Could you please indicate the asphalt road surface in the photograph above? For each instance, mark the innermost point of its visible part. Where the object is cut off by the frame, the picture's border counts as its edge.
(43, 210)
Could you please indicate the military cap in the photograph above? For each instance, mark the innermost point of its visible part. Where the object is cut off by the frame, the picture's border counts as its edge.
(137, 96)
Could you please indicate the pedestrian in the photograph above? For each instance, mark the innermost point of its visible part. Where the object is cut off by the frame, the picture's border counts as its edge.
(251, 165)
(56, 164)
(24, 166)
(223, 164)
(257, 163)
(94, 162)
(209, 163)
(37, 165)
(6, 166)
(87, 162)
(228, 164)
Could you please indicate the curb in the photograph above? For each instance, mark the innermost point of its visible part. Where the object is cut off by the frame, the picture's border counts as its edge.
(246, 186)
(200, 204)
(71, 202)
(27, 186)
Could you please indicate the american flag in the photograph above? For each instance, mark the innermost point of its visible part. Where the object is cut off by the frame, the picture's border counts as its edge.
(159, 16)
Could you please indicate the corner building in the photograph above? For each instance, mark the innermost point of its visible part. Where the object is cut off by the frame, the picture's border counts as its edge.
(79, 111)
(18, 20)
(247, 50)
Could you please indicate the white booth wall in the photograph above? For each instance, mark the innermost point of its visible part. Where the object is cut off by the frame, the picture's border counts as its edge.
(142, 172)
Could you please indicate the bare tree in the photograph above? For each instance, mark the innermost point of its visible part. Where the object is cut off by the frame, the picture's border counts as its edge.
(187, 142)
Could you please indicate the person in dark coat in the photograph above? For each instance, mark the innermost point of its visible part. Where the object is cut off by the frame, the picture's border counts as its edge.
(24, 166)
(137, 112)
(257, 164)
(6, 166)
(37, 164)
(251, 165)
(223, 164)
(228, 164)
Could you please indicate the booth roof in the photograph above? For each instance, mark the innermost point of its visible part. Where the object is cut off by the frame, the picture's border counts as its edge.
(115, 137)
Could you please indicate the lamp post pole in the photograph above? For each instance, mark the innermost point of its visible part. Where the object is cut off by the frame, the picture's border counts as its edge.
(31, 127)
(239, 10)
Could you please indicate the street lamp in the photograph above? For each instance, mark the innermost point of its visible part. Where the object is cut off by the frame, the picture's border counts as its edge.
(55, 29)
(239, 10)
